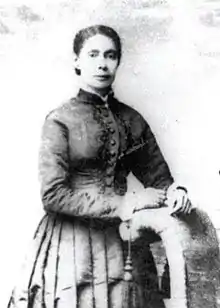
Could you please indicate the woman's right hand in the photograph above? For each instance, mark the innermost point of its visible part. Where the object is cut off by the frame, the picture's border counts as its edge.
(141, 199)
(151, 198)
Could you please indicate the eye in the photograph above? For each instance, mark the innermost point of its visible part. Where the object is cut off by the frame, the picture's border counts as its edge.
(112, 55)
(93, 53)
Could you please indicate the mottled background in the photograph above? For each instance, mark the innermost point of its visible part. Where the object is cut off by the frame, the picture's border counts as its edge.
(170, 72)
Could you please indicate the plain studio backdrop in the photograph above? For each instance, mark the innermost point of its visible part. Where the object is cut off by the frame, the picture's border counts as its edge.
(170, 72)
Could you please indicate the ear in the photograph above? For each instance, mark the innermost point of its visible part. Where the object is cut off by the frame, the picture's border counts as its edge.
(76, 62)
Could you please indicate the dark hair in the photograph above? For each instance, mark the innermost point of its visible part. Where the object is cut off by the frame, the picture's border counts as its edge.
(86, 33)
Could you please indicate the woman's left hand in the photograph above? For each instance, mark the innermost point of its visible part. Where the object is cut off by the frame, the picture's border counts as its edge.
(178, 201)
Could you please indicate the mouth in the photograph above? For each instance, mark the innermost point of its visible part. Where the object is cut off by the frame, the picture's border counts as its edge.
(102, 77)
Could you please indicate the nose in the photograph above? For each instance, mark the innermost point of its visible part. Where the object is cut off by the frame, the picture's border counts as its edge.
(103, 68)
(102, 64)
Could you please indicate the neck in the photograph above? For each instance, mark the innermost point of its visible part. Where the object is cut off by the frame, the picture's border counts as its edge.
(100, 92)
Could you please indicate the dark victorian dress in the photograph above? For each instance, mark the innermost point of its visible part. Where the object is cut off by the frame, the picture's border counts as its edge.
(88, 149)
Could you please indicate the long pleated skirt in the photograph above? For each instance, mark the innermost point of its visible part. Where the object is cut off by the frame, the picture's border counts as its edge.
(79, 264)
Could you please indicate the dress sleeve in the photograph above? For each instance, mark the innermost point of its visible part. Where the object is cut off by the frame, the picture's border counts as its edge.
(56, 193)
(148, 163)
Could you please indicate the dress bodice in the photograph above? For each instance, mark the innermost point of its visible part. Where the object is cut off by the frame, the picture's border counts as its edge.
(93, 143)
(88, 149)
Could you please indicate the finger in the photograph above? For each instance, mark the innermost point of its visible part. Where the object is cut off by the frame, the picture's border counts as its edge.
(184, 205)
(188, 207)
(161, 199)
(157, 201)
(177, 207)
(160, 192)
(163, 203)
(163, 194)
(151, 205)
(191, 206)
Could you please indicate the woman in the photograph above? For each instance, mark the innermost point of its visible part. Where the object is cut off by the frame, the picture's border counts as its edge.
(89, 145)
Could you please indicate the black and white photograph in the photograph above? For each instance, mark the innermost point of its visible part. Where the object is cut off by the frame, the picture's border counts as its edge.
(110, 153)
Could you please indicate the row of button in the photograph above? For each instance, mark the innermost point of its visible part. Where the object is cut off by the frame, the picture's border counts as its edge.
(113, 145)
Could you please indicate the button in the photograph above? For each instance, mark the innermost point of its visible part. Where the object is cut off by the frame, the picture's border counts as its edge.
(103, 138)
(109, 178)
(112, 130)
(113, 154)
(105, 113)
(113, 142)
(111, 163)
(109, 181)
(109, 185)
(109, 172)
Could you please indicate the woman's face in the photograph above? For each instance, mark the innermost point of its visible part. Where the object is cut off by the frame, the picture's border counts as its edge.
(98, 62)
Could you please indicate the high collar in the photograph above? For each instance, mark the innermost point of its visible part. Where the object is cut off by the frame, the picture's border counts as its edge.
(92, 98)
